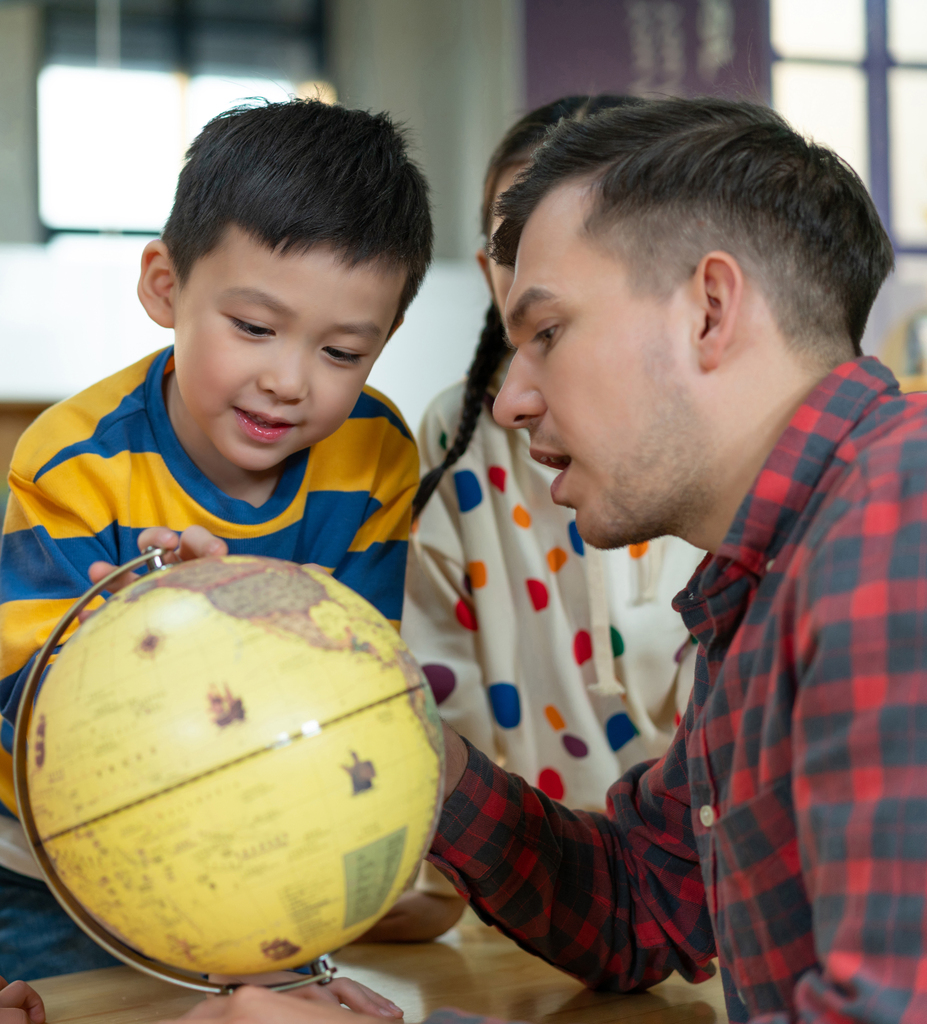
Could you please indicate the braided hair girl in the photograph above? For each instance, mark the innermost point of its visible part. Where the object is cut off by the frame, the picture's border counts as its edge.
(510, 157)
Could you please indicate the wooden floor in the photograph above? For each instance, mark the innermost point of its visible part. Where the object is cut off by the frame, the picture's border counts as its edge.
(472, 967)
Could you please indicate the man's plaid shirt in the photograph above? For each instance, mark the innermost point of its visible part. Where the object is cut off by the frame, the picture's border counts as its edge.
(785, 831)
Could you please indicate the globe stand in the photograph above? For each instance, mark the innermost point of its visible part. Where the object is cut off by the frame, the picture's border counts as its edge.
(320, 970)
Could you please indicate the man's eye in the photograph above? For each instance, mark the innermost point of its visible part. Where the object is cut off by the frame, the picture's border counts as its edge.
(546, 336)
(252, 330)
(341, 356)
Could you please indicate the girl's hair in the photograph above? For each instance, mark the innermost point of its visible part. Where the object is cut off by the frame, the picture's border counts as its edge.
(517, 147)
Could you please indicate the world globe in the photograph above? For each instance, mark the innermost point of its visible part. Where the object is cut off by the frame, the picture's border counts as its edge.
(234, 766)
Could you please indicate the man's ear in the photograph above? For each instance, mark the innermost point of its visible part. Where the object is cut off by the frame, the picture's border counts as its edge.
(158, 284)
(718, 292)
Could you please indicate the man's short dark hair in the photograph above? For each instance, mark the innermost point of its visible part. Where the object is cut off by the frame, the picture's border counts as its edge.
(674, 179)
(299, 174)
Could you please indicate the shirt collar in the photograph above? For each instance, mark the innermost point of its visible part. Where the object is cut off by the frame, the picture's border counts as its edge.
(790, 474)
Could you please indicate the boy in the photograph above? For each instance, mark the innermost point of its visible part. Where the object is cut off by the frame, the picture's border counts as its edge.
(300, 233)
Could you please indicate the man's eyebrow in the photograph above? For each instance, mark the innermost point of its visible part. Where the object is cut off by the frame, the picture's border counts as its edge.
(259, 298)
(528, 299)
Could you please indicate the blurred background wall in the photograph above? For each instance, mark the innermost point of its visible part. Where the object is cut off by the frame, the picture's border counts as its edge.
(99, 98)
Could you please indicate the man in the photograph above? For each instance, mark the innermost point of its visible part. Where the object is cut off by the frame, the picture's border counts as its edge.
(691, 286)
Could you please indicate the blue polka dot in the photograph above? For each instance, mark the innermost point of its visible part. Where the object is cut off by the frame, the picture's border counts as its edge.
(576, 540)
(469, 492)
(619, 729)
(506, 704)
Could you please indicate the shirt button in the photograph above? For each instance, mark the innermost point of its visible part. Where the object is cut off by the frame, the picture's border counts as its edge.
(770, 564)
(706, 815)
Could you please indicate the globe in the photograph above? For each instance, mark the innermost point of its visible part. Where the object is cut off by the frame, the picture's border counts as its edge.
(234, 765)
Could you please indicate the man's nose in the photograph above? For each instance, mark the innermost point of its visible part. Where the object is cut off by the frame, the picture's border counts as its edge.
(519, 402)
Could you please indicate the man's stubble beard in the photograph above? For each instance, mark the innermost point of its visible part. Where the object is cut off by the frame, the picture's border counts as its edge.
(663, 488)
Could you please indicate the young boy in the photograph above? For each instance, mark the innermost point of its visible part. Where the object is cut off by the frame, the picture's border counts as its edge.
(300, 233)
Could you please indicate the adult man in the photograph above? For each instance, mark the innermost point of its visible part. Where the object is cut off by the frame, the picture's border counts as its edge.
(691, 287)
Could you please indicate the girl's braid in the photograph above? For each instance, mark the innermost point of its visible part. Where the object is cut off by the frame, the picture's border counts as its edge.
(489, 354)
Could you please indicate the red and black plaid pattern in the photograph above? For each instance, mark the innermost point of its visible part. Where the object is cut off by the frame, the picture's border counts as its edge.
(786, 829)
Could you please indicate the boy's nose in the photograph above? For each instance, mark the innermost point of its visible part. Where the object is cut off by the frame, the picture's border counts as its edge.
(286, 380)
(519, 401)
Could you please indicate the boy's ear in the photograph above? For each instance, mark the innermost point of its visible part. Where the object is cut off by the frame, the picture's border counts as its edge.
(157, 283)
(396, 325)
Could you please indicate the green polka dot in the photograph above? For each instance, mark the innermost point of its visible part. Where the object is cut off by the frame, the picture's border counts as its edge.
(617, 643)
(694, 640)
(442, 440)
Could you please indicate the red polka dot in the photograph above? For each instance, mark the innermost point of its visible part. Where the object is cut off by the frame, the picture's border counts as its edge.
(677, 720)
(582, 647)
(466, 616)
(549, 782)
(538, 594)
(496, 476)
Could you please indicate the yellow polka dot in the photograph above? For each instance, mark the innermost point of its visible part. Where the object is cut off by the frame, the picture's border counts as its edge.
(638, 550)
(477, 573)
(521, 516)
(556, 559)
(554, 717)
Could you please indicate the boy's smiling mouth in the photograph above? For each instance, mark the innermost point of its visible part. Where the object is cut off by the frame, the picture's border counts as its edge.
(262, 428)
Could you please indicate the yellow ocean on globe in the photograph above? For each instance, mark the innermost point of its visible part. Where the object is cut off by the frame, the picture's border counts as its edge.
(235, 765)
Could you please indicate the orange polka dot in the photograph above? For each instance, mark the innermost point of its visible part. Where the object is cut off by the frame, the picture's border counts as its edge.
(521, 516)
(556, 558)
(638, 550)
(554, 717)
(414, 527)
(477, 573)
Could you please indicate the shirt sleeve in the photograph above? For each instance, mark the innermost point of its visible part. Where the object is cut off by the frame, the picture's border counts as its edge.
(615, 900)
(375, 562)
(48, 548)
(859, 757)
(436, 605)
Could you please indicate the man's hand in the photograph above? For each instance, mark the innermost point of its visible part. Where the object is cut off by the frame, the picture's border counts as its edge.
(352, 994)
(20, 1004)
(194, 542)
(250, 1005)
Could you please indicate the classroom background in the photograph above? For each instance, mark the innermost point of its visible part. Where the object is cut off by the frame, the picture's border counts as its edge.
(99, 98)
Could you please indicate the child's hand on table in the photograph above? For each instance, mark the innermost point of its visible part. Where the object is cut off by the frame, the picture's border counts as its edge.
(20, 1004)
(313, 1004)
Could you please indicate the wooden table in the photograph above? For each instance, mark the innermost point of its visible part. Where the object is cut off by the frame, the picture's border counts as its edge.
(472, 967)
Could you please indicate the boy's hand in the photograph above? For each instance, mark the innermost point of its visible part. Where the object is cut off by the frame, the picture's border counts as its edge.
(20, 1004)
(194, 542)
(250, 1005)
(355, 996)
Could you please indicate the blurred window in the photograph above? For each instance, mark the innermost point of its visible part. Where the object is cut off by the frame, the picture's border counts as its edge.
(852, 74)
(127, 85)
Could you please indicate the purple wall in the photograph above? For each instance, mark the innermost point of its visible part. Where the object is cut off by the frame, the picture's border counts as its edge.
(647, 47)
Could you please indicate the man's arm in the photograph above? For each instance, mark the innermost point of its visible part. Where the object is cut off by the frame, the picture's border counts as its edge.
(616, 901)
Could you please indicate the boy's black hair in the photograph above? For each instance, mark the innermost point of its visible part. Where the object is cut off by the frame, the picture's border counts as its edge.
(299, 174)
(516, 147)
(678, 178)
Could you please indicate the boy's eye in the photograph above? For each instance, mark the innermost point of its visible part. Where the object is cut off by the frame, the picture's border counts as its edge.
(252, 330)
(341, 356)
